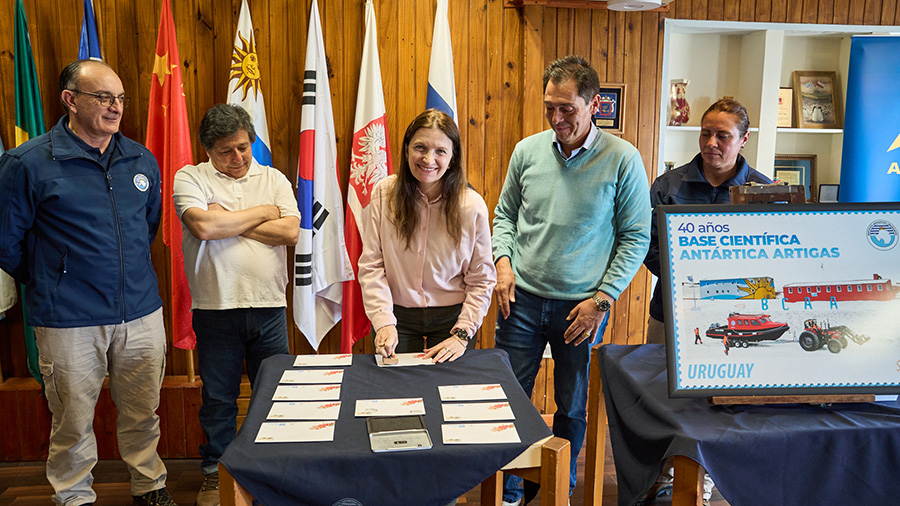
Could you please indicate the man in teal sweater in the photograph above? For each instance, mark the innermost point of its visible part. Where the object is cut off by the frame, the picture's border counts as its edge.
(571, 229)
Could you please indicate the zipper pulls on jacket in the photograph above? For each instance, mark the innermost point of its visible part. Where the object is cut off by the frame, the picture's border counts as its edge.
(108, 181)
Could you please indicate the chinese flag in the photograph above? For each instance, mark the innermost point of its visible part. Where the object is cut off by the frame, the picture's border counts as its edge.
(169, 138)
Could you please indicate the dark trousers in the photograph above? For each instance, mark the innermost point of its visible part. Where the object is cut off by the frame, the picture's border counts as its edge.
(225, 338)
(424, 327)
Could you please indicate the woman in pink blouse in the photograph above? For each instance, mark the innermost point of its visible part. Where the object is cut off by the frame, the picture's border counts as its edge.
(426, 269)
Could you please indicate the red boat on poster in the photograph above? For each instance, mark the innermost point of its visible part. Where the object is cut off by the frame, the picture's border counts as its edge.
(743, 329)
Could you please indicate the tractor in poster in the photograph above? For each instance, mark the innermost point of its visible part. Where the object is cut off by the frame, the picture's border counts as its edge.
(815, 336)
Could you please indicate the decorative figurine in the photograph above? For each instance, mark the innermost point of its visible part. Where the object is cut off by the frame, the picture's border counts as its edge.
(680, 110)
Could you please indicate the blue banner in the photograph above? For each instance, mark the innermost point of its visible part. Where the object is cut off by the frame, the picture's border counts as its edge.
(89, 47)
(870, 165)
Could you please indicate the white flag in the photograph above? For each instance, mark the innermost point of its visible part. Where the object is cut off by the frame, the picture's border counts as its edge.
(321, 260)
(370, 163)
(441, 85)
(244, 86)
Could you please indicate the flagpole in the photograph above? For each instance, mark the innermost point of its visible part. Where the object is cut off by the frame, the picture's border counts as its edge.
(192, 376)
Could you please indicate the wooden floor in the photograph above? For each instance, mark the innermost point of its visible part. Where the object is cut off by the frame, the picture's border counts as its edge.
(24, 484)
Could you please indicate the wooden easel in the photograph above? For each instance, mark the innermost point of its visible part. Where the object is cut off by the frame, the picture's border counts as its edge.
(771, 194)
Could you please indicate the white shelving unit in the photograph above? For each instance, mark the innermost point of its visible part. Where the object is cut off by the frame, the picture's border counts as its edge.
(750, 62)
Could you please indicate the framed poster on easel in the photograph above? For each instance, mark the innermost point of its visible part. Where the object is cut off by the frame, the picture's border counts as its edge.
(778, 299)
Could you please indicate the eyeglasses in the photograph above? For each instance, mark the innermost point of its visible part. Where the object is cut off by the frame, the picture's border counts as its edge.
(105, 99)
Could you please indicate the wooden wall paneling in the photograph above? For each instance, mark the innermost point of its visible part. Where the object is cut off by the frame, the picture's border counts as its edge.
(388, 16)
(193, 433)
(105, 425)
(473, 123)
(856, 12)
(896, 20)
(34, 436)
(615, 70)
(7, 69)
(563, 32)
(9, 439)
(493, 98)
(841, 12)
(550, 50)
(406, 100)
(423, 34)
(748, 10)
(599, 34)
(794, 12)
(731, 12)
(175, 423)
(779, 11)
(533, 37)
(549, 391)
(539, 392)
(582, 32)
(162, 447)
(809, 13)
(495, 158)
(763, 12)
(825, 11)
(459, 32)
(646, 120)
(888, 9)
(872, 11)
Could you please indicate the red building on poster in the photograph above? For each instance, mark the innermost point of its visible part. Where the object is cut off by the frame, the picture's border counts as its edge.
(867, 289)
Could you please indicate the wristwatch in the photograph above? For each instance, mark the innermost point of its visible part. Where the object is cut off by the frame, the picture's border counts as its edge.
(462, 334)
(602, 304)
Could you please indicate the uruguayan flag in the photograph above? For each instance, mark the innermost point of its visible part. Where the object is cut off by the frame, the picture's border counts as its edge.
(244, 84)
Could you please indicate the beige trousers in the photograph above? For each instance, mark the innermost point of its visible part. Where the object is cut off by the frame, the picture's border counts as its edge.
(74, 363)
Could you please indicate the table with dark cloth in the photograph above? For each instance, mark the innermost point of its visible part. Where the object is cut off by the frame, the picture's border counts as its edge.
(841, 454)
(324, 473)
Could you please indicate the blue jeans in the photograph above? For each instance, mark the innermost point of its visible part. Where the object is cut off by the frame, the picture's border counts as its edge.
(532, 323)
(225, 338)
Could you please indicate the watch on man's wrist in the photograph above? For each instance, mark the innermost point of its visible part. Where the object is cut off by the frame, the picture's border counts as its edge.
(602, 304)
(462, 334)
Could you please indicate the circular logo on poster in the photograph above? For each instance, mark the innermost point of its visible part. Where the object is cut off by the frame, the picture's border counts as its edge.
(141, 182)
(882, 235)
(348, 502)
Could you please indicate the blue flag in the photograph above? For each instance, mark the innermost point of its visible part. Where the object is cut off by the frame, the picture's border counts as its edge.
(441, 85)
(870, 165)
(90, 44)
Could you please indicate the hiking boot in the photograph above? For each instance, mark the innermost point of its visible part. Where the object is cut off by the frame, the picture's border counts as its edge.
(159, 497)
(209, 491)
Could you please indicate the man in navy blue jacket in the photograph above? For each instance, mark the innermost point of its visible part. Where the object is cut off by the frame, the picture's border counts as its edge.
(79, 208)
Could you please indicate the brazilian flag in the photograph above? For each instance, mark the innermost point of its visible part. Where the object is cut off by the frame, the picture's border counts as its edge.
(29, 124)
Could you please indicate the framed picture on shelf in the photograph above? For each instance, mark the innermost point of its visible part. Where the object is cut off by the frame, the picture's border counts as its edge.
(611, 114)
(828, 193)
(798, 169)
(817, 99)
(785, 107)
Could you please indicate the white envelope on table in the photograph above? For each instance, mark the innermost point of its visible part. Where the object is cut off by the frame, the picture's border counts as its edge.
(479, 433)
(307, 393)
(312, 376)
(471, 392)
(331, 360)
(390, 407)
(477, 411)
(295, 432)
(327, 410)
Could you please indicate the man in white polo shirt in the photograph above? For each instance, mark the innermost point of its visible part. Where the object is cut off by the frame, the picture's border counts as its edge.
(237, 217)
